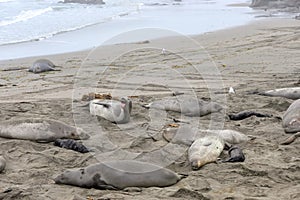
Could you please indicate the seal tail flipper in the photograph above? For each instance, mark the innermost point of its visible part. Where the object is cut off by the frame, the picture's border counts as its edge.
(290, 139)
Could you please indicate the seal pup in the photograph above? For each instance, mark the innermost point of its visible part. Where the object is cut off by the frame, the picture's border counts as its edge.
(2, 163)
(291, 118)
(71, 144)
(205, 150)
(42, 65)
(186, 105)
(40, 130)
(290, 93)
(245, 114)
(235, 155)
(112, 110)
(119, 174)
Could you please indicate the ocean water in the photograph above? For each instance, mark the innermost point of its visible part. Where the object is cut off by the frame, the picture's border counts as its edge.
(35, 27)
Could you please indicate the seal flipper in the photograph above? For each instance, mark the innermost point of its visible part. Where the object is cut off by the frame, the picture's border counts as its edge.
(100, 184)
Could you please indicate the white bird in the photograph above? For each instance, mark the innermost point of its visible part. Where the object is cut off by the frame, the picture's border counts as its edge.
(163, 51)
(112, 110)
(231, 90)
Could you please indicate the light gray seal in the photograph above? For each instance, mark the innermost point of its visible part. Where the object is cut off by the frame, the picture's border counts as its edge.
(2, 163)
(186, 105)
(205, 150)
(119, 175)
(40, 130)
(112, 110)
(291, 118)
(42, 65)
(290, 93)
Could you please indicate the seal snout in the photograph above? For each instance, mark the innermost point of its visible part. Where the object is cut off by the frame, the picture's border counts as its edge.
(196, 164)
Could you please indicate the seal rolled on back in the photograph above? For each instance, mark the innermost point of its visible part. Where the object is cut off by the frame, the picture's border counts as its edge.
(119, 175)
(42, 65)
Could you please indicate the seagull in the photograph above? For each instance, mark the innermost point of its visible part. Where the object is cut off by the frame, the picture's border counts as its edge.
(231, 90)
(112, 110)
(163, 51)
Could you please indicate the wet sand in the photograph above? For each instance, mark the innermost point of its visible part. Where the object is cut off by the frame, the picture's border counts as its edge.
(260, 56)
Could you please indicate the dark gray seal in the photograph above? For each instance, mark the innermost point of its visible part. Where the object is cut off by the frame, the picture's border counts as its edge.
(119, 175)
(42, 65)
(235, 155)
(71, 144)
(187, 105)
(40, 130)
(291, 118)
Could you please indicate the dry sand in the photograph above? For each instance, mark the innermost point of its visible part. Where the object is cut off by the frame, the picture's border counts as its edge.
(259, 56)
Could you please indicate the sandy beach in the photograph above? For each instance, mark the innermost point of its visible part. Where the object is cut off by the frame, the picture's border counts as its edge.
(259, 56)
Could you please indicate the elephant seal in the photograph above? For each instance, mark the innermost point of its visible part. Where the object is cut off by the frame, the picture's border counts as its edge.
(187, 135)
(290, 93)
(112, 110)
(119, 174)
(40, 130)
(235, 155)
(186, 105)
(42, 65)
(245, 114)
(205, 150)
(291, 118)
(71, 144)
(2, 163)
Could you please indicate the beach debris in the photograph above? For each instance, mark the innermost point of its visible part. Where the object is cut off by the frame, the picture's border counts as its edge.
(112, 110)
(235, 155)
(40, 130)
(119, 174)
(245, 114)
(205, 150)
(187, 105)
(71, 144)
(92, 96)
(291, 118)
(2, 163)
(42, 65)
(290, 139)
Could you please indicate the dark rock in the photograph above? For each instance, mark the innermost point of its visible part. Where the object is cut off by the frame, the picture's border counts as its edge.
(85, 1)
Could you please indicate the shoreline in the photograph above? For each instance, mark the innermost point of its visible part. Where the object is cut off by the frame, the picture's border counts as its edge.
(160, 18)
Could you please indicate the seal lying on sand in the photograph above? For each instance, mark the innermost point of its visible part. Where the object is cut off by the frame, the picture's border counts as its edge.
(119, 175)
(112, 110)
(42, 65)
(187, 135)
(186, 105)
(235, 155)
(71, 144)
(290, 93)
(40, 130)
(291, 118)
(205, 150)
(2, 164)
(245, 114)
